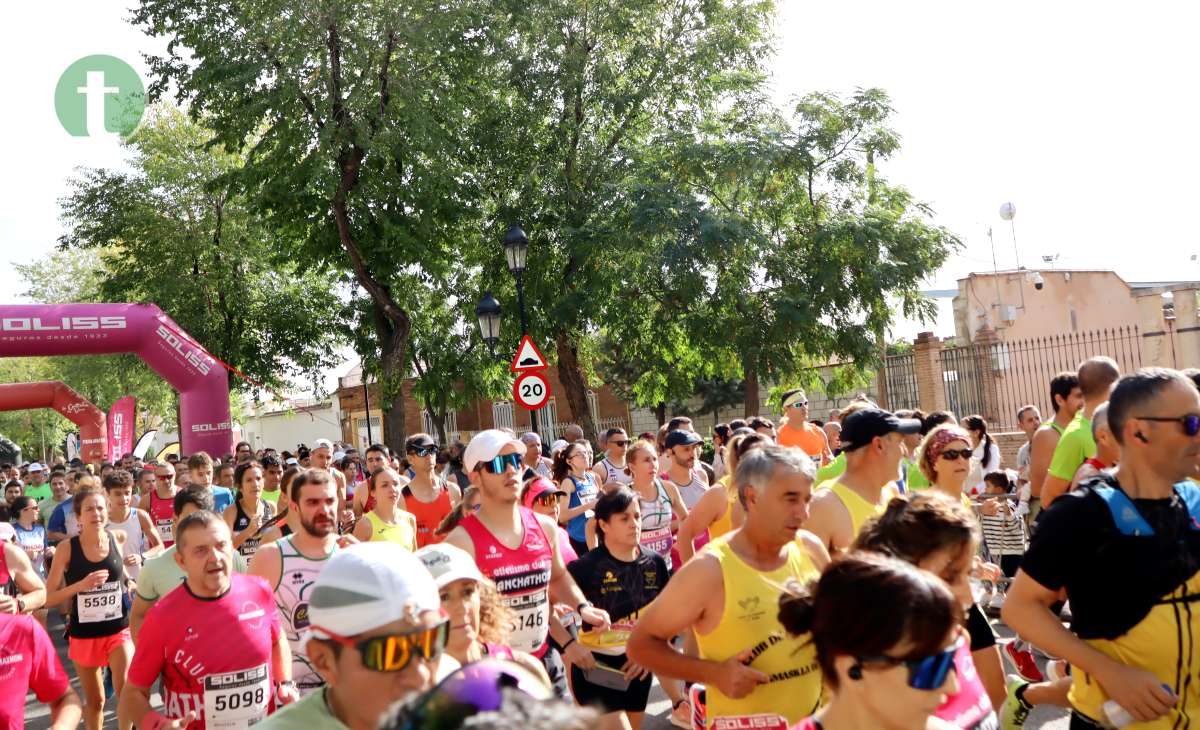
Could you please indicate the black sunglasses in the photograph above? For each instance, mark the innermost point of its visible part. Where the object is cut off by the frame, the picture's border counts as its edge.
(952, 454)
(424, 450)
(1190, 423)
(501, 463)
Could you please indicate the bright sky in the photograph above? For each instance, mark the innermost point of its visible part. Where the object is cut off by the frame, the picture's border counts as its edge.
(1079, 113)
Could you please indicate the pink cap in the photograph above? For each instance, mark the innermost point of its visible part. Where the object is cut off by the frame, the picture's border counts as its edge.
(537, 488)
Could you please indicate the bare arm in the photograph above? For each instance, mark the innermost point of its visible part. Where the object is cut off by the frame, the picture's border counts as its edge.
(363, 530)
(570, 513)
(137, 615)
(133, 706)
(1041, 450)
(1053, 488)
(281, 659)
(825, 518)
(707, 511)
(154, 543)
(29, 583)
(678, 508)
(815, 548)
(65, 711)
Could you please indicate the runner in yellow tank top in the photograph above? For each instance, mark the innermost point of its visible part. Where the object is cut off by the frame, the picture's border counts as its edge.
(400, 533)
(728, 594)
(387, 520)
(872, 441)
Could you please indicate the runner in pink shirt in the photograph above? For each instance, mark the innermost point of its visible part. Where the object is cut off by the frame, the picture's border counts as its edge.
(216, 642)
(28, 663)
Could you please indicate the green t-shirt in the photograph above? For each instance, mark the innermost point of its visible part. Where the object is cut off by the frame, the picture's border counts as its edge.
(310, 713)
(272, 496)
(161, 574)
(914, 478)
(46, 508)
(40, 492)
(832, 470)
(1075, 447)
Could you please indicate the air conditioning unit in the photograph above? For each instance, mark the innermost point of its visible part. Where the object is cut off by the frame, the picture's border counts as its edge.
(1008, 313)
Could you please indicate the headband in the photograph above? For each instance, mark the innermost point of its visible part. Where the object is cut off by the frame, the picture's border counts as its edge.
(937, 441)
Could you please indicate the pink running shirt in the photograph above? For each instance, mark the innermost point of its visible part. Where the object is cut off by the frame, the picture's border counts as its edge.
(28, 662)
(214, 654)
(522, 577)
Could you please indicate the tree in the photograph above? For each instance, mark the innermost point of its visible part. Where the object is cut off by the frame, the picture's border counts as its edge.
(353, 117)
(590, 93)
(824, 244)
(173, 236)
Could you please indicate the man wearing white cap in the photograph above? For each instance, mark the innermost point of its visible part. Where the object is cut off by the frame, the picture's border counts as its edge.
(377, 635)
(518, 550)
(37, 486)
(321, 457)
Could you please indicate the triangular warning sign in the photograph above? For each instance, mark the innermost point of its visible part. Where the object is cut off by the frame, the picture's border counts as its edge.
(528, 357)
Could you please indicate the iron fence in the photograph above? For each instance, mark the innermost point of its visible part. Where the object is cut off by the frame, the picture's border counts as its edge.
(900, 380)
(997, 379)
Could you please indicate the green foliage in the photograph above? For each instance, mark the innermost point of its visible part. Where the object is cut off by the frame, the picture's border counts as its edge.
(171, 237)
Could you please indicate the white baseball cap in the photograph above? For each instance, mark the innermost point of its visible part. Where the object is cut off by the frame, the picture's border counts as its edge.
(293, 461)
(323, 444)
(369, 585)
(487, 445)
(36, 467)
(558, 446)
(339, 455)
(448, 563)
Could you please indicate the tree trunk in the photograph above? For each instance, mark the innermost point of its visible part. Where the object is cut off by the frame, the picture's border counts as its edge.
(660, 412)
(574, 385)
(751, 405)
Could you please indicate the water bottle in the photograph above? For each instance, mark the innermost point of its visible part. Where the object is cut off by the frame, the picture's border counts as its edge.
(1118, 716)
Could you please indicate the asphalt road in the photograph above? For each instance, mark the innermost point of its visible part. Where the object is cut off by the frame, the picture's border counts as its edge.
(657, 713)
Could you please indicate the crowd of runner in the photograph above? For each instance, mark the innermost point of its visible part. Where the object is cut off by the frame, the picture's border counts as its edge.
(821, 575)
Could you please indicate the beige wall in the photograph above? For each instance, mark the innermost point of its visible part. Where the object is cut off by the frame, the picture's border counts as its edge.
(1069, 301)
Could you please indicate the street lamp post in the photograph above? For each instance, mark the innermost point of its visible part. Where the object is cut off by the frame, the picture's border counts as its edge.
(516, 247)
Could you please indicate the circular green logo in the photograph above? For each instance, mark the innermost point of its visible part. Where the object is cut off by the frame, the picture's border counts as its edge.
(99, 95)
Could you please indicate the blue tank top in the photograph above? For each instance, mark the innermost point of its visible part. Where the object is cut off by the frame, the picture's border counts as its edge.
(586, 492)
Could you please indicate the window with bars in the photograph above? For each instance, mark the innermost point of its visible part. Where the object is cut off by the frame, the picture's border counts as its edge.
(502, 414)
(376, 432)
(548, 416)
(430, 425)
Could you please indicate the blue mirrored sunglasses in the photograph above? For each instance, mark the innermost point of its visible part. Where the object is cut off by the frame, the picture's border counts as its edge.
(499, 464)
(927, 673)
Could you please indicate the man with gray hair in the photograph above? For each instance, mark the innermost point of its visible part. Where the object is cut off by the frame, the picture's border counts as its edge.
(532, 460)
(728, 595)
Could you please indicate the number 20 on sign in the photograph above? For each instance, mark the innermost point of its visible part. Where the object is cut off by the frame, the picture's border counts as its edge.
(531, 391)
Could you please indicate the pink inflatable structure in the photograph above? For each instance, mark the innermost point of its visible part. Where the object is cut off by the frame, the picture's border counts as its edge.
(93, 430)
(143, 329)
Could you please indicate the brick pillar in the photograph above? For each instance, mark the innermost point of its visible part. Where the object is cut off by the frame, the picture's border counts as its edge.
(1187, 328)
(931, 390)
(989, 377)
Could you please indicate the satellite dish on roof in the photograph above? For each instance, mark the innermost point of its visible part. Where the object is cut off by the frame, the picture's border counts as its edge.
(1008, 211)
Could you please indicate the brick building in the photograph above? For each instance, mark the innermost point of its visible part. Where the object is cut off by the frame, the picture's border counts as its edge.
(608, 410)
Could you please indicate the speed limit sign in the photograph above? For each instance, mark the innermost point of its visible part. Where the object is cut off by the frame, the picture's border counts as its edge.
(531, 391)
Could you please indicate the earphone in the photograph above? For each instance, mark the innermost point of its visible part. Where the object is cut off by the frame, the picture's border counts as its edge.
(854, 672)
(1141, 437)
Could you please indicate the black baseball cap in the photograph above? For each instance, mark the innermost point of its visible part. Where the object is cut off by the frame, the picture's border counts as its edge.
(420, 441)
(861, 426)
(682, 438)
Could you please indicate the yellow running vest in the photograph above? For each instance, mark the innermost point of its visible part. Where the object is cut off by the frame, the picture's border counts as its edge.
(860, 509)
(400, 533)
(724, 523)
(1164, 643)
(749, 620)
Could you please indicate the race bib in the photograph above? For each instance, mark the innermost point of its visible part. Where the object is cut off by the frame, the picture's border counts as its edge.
(659, 541)
(166, 530)
(236, 700)
(530, 620)
(750, 722)
(101, 604)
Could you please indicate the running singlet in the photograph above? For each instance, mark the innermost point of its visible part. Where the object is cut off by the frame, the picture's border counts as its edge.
(622, 588)
(296, 577)
(28, 663)
(162, 511)
(656, 523)
(214, 655)
(614, 473)
(724, 523)
(242, 521)
(33, 542)
(522, 576)
(135, 539)
(970, 708)
(400, 532)
(860, 509)
(808, 438)
(750, 618)
(101, 611)
(585, 492)
(691, 492)
(429, 514)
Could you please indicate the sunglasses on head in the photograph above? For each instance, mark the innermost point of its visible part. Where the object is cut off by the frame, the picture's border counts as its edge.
(500, 464)
(927, 673)
(424, 450)
(469, 690)
(394, 652)
(952, 454)
(1190, 423)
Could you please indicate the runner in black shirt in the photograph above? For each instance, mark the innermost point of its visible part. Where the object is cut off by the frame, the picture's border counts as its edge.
(621, 577)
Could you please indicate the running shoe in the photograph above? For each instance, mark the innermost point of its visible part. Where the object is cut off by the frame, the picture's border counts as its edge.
(1057, 669)
(1015, 710)
(681, 716)
(1023, 661)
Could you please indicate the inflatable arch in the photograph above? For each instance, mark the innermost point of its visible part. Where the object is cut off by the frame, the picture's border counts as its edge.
(143, 329)
(93, 431)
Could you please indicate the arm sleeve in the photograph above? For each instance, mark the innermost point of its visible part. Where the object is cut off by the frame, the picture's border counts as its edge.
(148, 661)
(47, 679)
(1068, 455)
